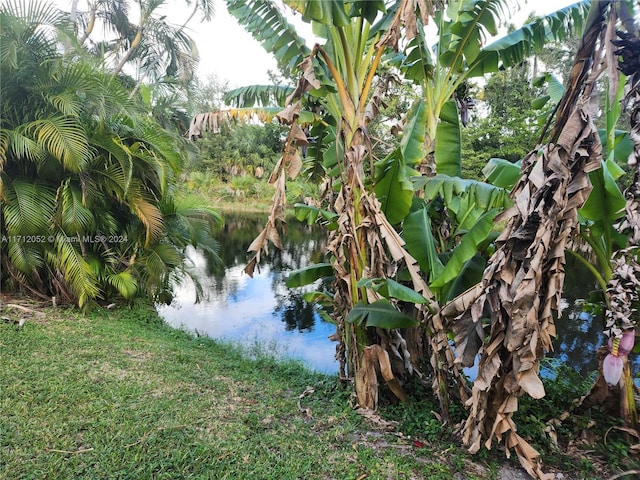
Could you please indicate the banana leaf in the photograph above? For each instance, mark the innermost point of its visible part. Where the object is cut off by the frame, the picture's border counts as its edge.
(420, 241)
(381, 314)
(389, 288)
(502, 173)
(448, 149)
(308, 275)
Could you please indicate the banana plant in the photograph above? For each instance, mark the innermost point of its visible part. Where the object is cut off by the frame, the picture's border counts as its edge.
(340, 83)
(451, 229)
(524, 280)
(461, 49)
(451, 46)
(606, 202)
(346, 67)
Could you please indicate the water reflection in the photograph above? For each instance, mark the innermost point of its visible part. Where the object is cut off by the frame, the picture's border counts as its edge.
(579, 327)
(263, 310)
(260, 310)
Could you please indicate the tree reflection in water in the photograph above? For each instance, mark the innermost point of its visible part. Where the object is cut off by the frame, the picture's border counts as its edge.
(243, 309)
(262, 309)
(579, 328)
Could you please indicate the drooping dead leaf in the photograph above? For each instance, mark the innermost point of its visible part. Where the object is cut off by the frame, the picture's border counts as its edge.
(523, 281)
(289, 113)
(306, 81)
(212, 122)
(406, 16)
(375, 359)
(294, 164)
(377, 97)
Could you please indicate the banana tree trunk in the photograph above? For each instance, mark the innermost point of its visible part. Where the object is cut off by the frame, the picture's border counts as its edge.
(523, 282)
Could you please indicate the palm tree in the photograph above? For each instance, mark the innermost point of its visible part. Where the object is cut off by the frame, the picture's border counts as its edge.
(153, 46)
(88, 178)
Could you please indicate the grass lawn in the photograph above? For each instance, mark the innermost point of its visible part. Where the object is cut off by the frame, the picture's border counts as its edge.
(117, 394)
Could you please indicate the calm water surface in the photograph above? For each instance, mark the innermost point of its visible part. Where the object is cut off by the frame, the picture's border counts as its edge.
(263, 311)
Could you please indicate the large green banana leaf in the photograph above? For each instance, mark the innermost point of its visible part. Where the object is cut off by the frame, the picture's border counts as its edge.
(389, 288)
(466, 199)
(449, 141)
(513, 48)
(502, 173)
(421, 244)
(381, 314)
(393, 186)
(468, 247)
(309, 274)
(452, 261)
(605, 203)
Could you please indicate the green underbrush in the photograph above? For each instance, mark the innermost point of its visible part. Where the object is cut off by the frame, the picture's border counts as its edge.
(243, 192)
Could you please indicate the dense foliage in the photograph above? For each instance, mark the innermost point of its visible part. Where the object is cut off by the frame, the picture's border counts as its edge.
(508, 128)
(88, 176)
(407, 234)
(241, 148)
(91, 160)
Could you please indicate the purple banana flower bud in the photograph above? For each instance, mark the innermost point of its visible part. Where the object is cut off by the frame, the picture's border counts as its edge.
(619, 347)
(612, 369)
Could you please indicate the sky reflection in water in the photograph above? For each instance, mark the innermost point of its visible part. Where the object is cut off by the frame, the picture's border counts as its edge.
(263, 311)
(249, 311)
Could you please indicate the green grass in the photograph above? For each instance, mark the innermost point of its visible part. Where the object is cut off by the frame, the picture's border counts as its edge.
(118, 395)
(243, 192)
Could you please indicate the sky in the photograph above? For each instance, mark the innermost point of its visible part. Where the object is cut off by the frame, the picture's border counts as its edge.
(231, 54)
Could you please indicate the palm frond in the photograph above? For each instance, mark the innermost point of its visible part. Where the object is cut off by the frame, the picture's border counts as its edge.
(113, 164)
(4, 147)
(22, 147)
(124, 283)
(28, 208)
(168, 51)
(115, 14)
(77, 272)
(76, 218)
(207, 8)
(164, 148)
(189, 222)
(25, 256)
(147, 213)
(36, 12)
(64, 138)
(71, 88)
(156, 262)
(31, 29)
(66, 103)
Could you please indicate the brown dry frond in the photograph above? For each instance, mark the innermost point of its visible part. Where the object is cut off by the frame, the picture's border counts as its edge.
(522, 284)
(212, 122)
(289, 165)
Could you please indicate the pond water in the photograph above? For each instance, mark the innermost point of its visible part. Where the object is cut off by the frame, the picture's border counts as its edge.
(258, 312)
(262, 312)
